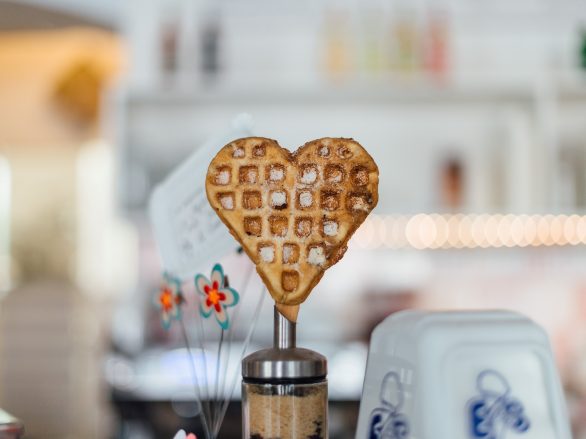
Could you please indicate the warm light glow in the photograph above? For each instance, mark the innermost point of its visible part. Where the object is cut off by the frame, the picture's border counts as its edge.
(413, 232)
(518, 231)
(491, 231)
(529, 230)
(5, 202)
(106, 245)
(427, 231)
(434, 231)
(394, 232)
(380, 231)
(478, 231)
(581, 230)
(32, 65)
(399, 231)
(465, 231)
(556, 230)
(543, 233)
(453, 232)
(441, 231)
(364, 234)
(571, 230)
(504, 230)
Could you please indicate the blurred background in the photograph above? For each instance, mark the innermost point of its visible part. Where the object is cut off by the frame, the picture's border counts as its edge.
(474, 111)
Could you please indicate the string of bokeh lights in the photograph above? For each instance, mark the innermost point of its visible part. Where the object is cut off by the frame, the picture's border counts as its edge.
(435, 231)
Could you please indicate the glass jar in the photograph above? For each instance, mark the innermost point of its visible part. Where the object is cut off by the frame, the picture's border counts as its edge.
(284, 390)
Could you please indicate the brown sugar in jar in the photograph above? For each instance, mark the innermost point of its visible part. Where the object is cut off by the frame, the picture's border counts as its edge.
(286, 411)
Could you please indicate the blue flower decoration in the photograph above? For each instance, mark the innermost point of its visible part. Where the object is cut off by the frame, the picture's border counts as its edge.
(216, 296)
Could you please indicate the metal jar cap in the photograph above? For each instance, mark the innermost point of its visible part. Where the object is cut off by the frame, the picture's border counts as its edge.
(284, 364)
(284, 361)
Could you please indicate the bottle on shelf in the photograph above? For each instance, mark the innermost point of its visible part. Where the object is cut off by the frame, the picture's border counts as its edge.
(452, 183)
(168, 45)
(583, 48)
(371, 50)
(210, 44)
(436, 45)
(337, 43)
(404, 42)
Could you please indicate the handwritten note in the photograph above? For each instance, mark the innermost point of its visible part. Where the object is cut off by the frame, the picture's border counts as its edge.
(188, 232)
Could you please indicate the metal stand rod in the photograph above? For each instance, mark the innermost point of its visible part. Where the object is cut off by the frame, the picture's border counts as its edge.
(285, 332)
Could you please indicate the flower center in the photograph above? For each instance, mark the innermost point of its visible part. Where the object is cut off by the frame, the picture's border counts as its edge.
(166, 299)
(214, 296)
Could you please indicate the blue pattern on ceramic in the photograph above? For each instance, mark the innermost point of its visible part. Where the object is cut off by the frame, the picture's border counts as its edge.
(386, 421)
(494, 412)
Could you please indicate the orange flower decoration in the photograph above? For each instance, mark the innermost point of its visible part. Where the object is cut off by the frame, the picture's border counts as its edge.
(169, 300)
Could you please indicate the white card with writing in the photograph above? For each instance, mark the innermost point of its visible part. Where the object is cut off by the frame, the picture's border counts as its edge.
(188, 232)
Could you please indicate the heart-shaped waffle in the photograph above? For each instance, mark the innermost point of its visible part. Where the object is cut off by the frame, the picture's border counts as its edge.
(293, 213)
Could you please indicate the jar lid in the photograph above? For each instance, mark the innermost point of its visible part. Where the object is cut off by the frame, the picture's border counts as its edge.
(284, 364)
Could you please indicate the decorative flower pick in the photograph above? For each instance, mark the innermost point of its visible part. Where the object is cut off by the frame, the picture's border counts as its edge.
(169, 300)
(216, 296)
(182, 435)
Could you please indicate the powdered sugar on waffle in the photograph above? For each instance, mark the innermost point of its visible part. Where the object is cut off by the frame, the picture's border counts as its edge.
(276, 174)
(223, 177)
(267, 253)
(227, 202)
(309, 176)
(278, 199)
(330, 228)
(238, 153)
(316, 256)
(305, 199)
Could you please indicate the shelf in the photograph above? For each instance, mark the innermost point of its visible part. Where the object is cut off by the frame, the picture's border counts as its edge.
(328, 94)
(373, 92)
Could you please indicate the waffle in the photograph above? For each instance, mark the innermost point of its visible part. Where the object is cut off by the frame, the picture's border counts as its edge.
(293, 213)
